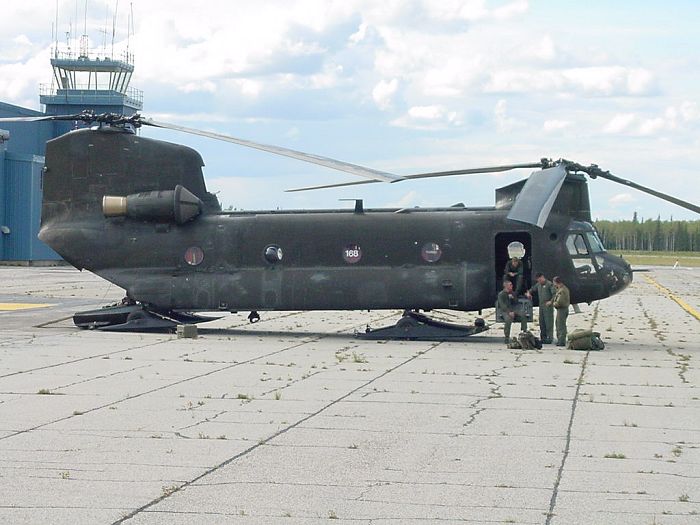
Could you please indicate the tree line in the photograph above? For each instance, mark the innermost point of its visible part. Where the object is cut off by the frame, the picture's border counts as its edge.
(650, 235)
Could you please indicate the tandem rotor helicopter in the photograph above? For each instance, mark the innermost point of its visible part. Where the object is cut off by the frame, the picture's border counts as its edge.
(136, 212)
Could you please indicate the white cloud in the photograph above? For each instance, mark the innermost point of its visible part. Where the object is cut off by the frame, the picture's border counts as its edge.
(652, 126)
(426, 112)
(611, 80)
(689, 111)
(555, 125)
(19, 81)
(673, 118)
(21, 40)
(621, 198)
(620, 123)
(504, 123)
(543, 49)
(384, 92)
(472, 10)
(515, 8)
(330, 76)
(427, 117)
(686, 112)
(585, 81)
(198, 85)
(454, 76)
(359, 35)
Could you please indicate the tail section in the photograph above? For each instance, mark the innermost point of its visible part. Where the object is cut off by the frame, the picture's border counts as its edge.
(85, 165)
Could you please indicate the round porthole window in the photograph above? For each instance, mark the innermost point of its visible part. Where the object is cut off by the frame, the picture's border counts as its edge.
(431, 252)
(273, 254)
(194, 255)
(352, 253)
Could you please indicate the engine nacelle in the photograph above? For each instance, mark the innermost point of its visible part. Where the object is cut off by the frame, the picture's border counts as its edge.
(178, 205)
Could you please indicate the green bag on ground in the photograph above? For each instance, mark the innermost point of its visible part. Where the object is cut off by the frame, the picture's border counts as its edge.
(581, 339)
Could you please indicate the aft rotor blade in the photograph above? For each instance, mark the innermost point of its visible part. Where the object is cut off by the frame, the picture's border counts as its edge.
(535, 200)
(278, 150)
(469, 171)
(685, 204)
(41, 118)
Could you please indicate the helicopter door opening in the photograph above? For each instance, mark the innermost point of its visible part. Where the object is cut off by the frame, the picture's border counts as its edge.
(514, 242)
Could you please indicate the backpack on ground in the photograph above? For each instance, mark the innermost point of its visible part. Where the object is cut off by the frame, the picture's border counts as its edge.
(528, 341)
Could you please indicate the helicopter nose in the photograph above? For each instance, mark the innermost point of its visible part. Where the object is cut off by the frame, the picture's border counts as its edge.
(619, 275)
(627, 277)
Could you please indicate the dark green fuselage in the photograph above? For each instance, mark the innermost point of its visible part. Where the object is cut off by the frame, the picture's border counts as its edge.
(328, 259)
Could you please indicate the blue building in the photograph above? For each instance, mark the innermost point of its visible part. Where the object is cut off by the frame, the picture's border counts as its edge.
(82, 82)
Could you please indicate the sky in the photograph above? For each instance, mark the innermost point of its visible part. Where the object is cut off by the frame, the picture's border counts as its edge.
(401, 86)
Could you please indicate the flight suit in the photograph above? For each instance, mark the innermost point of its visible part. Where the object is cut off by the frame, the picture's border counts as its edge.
(561, 301)
(506, 304)
(545, 292)
(519, 272)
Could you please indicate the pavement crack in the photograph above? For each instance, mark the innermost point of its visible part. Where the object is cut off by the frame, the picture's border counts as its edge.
(178, 487)
(494, 394)
(205, 420)
(682, 360)
(101, 376)
(567, 447)
(73, 361)
(153, 390)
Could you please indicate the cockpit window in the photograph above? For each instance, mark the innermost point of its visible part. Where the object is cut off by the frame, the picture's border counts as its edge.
(576, 244)
(595, 243)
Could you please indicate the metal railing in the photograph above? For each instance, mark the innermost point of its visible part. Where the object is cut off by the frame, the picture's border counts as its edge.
(125, 56)
(83, 93)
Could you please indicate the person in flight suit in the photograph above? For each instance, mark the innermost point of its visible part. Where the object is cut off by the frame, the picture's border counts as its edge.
(561, 302)
(507, 301)
(545, 293)
(514, 272)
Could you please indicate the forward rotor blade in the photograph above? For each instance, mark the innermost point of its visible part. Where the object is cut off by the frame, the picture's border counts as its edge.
(338, 185)
(684, 204)
(492, 169)
(299, 155)
(535, 200)
(470, 171)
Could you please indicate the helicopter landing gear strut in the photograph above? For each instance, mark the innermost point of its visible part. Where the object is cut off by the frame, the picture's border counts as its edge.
(134, 317)
(253, 317)
(414, 326)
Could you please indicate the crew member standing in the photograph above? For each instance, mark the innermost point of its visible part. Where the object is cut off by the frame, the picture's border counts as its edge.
(561, 302)
(514, 272)
(545, 293)
(507, 301)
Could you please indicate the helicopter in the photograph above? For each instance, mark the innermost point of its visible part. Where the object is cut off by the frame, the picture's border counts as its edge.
(136, 212)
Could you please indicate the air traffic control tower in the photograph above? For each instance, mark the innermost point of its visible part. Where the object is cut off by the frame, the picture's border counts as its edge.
(88, 81)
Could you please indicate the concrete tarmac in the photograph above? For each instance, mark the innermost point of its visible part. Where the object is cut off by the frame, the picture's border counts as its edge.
(294, 421)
